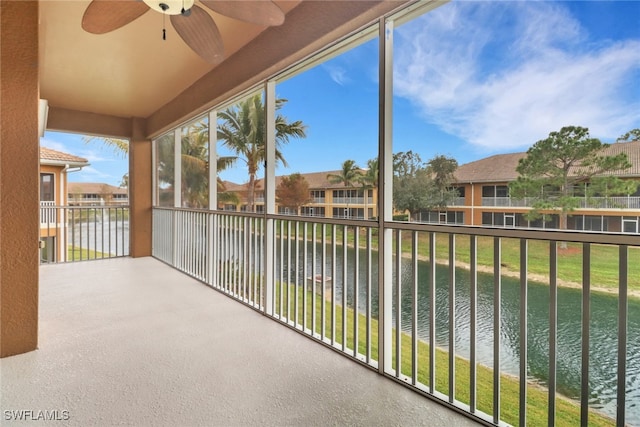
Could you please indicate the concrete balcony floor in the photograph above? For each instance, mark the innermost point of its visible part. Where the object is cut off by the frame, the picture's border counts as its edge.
(135, 342)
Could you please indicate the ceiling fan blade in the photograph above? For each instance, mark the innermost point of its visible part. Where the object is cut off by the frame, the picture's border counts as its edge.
(200, 33)
(260, 12)
(103, 16)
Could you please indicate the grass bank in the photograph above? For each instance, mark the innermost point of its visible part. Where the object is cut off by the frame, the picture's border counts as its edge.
(567, 411)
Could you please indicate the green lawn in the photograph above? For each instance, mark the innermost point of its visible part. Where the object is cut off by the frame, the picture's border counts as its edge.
(78, 254)
(567, 411)
(604, 258)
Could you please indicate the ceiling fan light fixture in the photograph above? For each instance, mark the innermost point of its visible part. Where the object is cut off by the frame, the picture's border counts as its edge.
(170, 7)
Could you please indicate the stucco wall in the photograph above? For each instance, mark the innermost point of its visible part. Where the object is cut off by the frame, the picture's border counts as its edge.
(19, 159)
(140, 190)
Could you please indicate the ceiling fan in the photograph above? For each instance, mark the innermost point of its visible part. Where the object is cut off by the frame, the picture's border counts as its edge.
(192, 23)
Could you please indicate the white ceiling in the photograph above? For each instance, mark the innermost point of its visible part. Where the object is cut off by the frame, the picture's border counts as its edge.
(129, 72)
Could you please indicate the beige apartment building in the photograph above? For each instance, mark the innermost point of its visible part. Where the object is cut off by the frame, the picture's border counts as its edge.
(483, 198)
(97, 194)
(54, 168)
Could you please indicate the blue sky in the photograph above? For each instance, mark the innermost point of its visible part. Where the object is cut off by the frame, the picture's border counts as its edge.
(471, 79)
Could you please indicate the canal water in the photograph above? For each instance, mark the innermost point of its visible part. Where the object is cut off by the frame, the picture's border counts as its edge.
(603, 327)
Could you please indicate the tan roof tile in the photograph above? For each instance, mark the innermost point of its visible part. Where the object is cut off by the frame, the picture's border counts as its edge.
(498, 168)
(49, 155)
(502, 167)
(94, 188)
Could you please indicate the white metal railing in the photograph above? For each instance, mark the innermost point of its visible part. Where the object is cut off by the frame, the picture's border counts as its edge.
(458, 201)
(74, 233)
(455, 298)
(623, 202)
(349, 200)
(47, 212)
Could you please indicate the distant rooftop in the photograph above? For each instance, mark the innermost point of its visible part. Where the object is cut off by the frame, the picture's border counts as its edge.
(502, 167)
(94, 188)
(496, 168)
(58, 158)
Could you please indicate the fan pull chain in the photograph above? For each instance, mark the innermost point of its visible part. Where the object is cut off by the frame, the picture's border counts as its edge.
(164, 8)
(164, 30)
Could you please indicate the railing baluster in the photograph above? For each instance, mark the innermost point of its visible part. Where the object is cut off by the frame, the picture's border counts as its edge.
(432, 312)
(95, 234)
(313, 275)
(305, 272)
(369, 283)
(586, 309)
(281, 276)
(356, 270)
(497, 314)
(323, 287)
(345, 285)
(398, 308)
(622, 332)
(288, 283)
(333, 284)
(553, 330)
(414, 307)
(523, 332)
(452, 317)
(296, 279)
(473, 318)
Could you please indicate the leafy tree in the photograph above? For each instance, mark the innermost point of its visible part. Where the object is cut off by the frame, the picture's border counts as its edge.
(422, 186)
(409, 192)
(632, 135)
(106, 194)
(293, 192)
(566, 159)
(406, 164)
(243, 131)
(349, 175)
(441, 169)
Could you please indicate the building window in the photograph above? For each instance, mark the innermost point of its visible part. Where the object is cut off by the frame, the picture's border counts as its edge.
(630, 224)
(441, 217)
(317, 196)
(312, 211)
(47, 193)
(350, 213)
(284, 210)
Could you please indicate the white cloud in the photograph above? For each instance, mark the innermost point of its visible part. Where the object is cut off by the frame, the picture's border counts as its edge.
(502, 75)
(54, 145)
(91, 154)
(337, 74)
(91, 174)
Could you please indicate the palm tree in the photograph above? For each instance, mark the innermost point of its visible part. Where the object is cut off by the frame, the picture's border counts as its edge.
(369, 180)
(349, 175)
(120, 146)
(195, 168)
(194, 165)
(243, 131)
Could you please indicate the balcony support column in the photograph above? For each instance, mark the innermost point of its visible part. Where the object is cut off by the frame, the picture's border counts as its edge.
(140, 190)
(19, 162)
